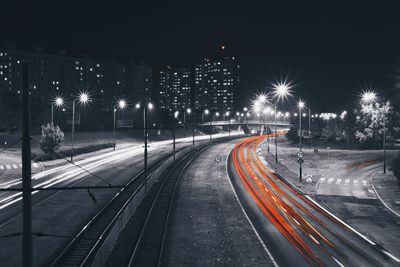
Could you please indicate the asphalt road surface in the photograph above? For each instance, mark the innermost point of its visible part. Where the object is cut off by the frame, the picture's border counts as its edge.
(59, 215)
(297, 230)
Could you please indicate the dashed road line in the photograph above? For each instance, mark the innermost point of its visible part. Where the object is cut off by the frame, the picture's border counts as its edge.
(338, 181)
(355, 181)
(330, 180)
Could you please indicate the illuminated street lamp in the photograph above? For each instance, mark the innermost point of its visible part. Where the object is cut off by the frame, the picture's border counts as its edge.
(58, 102)
(121, 104)
(205, 112)
(301, 105)
(368, 96)
(188, 111)
(281, 91)
(150, 106)
(83, 98)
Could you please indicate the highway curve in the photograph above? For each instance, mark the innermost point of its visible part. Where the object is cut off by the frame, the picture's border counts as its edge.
(297, 230)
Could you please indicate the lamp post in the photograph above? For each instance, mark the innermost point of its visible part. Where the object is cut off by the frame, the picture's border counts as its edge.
(205, 112)
(121, 104)
(246, 114)
(82, 98)
(188, 111)
(280, 91)
(58, 102)
(229, 122)
(300, 105)
(145, 137)
(309, 128)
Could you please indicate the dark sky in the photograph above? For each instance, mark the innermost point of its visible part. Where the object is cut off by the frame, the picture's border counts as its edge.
(330, 50)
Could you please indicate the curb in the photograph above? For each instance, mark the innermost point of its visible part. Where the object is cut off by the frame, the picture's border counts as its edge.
(379, 197)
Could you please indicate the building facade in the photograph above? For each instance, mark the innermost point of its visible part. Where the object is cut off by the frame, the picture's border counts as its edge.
(175, 89)
(216, 82)
(60, 75)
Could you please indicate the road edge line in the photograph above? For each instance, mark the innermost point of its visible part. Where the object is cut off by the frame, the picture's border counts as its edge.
(245, 214)
(379, 197)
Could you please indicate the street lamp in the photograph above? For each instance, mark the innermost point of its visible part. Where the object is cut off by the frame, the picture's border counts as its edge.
(83, 98)
(150, 106)
(121, 104)
(58, 102)
(281, 91)
(300, 105)
(205, 112)
(188, 111)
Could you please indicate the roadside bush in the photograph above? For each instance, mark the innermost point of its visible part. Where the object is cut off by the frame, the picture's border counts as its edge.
(395, 167)
(52, 138)
(67, 153)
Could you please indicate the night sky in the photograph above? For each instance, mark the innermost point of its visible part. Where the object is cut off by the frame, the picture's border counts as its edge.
(330, 51)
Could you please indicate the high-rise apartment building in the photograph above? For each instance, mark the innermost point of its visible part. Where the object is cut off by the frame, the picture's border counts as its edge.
(216, 82)
(175, 88)
(53, 75)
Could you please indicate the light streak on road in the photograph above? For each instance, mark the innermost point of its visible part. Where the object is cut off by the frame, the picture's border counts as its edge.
(318, 235)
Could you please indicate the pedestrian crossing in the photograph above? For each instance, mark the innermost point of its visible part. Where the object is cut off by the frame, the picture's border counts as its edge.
(340, 181)
(13, 166)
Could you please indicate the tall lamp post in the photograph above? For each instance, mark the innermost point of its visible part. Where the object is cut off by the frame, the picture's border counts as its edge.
(58, 102)
(121, 104)
(150, 106)
(205, 112)
(83, 98)
(300, 105)
(187, 111)
(280, 91)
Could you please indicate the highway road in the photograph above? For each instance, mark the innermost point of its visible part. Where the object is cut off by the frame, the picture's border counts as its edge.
(59, 215)
(296, 229)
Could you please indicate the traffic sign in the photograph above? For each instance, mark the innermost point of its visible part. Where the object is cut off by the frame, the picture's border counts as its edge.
(300, 154)
(217, 158)
(315, 151)
(300, 161)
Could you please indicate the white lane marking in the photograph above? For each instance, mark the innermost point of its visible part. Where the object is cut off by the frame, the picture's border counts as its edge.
(2, 167)
(338, 262)
(391, 255)
(355, 181)
(20, 165)
(364, 182)
(345, 224)
(330, 180)
(35, 165)
(15, 166)
(8, 166)
(313, 238)
(321, 180)
(379, 197)
(347, 181)
(338, 181)
(247, 217)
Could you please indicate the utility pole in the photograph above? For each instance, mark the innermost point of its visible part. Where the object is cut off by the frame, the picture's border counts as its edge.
(384, 139)
(26, 173)
(276, 141)
(309, 128)
(145, 146)
(173, 140)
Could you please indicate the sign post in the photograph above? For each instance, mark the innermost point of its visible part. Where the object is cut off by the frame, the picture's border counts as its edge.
(300, 160)
(217, 159)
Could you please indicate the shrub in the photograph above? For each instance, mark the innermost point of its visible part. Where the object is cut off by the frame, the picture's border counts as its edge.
(395, 167)
(52, 138)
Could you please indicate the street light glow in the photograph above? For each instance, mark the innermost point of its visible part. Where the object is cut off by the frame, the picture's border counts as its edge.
(188, 111)
(176, 114)
(217, 113)
(282, 90)
(137, 106)
(121, 103)
(59, 101)
(301, 104)
(206, 111)
(150, 105)
(368, 96)
(83, 97)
